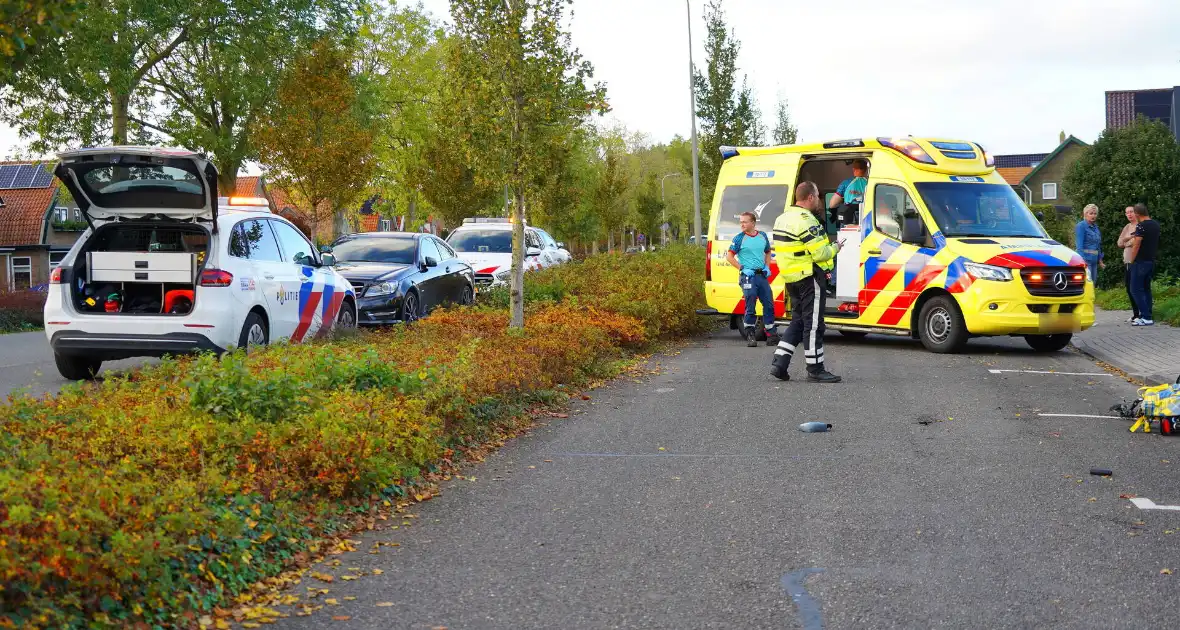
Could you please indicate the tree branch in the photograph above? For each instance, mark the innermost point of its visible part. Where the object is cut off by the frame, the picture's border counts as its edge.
(160, 56)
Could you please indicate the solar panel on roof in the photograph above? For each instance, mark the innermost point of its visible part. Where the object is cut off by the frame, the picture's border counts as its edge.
(43, 179)
(24, 176)
(7, 174)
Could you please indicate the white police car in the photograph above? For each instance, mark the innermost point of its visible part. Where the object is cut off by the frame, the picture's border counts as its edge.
(168, 267)
(485, 243)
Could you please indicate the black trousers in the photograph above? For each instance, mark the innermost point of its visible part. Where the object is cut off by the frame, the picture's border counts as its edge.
(1130, 295)
(808, 297)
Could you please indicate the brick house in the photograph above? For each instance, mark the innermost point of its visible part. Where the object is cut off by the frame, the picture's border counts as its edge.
(38, 224)
(1038, 177)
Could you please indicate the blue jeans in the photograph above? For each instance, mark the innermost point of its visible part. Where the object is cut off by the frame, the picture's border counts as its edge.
(756, 289)
(1141, 273)
(1092, 265)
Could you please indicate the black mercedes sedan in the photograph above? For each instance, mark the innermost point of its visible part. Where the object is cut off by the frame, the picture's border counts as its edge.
(401, 276)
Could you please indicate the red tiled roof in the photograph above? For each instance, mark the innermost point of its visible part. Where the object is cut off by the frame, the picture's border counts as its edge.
(369, 223)
(1014, 175)
(22, 219)
(247, 186)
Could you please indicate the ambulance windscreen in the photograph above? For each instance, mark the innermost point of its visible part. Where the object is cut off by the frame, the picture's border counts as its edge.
(962, 209)
(766, 202)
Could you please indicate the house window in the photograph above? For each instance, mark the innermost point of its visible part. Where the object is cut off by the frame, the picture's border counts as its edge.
(1049, 191)
(63, 214)
(22, 272)
(55, 258)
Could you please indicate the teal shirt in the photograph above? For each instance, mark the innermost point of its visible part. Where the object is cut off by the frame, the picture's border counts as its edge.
(751, 252)
(853, 189)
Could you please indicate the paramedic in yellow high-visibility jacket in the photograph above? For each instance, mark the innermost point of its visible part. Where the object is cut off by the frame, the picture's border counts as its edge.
(801, 246)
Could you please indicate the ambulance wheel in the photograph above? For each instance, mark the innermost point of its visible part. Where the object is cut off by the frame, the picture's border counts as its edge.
(854, 334)
(1048, 343)
(941, 327)
(76, 368)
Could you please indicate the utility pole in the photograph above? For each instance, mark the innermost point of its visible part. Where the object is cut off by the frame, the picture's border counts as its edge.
(696, 174)
(664, 211)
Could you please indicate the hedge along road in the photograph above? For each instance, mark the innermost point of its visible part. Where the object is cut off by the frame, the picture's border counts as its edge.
(26, 360)
(940, 498)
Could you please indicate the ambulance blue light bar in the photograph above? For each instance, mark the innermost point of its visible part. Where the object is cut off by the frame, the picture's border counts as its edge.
(728, 152)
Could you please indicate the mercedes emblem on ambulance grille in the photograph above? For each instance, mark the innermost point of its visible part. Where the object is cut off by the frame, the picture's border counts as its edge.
(1060, 281)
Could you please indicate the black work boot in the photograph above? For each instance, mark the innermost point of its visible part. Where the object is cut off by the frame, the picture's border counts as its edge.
(772, 338)
(779, 365)
(751, 337)
(822, 376)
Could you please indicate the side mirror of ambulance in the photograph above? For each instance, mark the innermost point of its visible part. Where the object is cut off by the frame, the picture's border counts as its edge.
(912, 231)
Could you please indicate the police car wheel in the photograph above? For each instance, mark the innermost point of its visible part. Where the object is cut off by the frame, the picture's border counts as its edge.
(410, 312)
(941, 327)
(1048, 343)
(254, 332)
(76, 368)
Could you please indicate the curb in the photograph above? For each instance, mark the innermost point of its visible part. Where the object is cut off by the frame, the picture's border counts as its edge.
(1094, 353)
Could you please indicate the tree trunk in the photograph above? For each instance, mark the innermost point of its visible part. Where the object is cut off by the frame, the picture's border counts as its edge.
(610, 242)
(517, 277)
(120, 103)
(227, 178)
(413, 211)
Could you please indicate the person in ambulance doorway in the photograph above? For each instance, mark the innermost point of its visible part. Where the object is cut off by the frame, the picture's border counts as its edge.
(852, 190)
(801, 246)
(750, 253)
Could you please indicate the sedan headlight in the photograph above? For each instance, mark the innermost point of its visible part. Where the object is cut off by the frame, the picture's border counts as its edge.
(988, 272)
(381, 288)
(503, 276)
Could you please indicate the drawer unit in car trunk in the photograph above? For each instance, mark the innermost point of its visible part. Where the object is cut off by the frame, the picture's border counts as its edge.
(171, 267)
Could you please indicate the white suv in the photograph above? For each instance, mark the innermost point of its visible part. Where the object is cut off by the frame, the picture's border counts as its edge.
(486, 244)
(168, 267)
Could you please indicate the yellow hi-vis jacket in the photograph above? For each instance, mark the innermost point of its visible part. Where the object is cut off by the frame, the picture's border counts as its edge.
(799, 243)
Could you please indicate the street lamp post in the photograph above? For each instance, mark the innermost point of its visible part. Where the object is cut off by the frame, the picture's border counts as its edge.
(696, 176)
(663, 211)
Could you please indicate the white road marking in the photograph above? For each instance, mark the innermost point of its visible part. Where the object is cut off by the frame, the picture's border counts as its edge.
(1051, 372)
(1076, 415)
(1148, 504)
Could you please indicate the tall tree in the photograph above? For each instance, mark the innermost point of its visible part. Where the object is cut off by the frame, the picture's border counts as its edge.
(401, 54)
(82, 89)
(785, 132)
(610, 195)
(728, 116)
(316, 140)
(519, 90)
(214, 87)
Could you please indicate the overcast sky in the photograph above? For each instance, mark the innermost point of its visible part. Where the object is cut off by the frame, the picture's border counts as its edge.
(1005, 73)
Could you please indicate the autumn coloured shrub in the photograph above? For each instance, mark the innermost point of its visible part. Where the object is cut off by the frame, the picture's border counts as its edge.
(163, 493)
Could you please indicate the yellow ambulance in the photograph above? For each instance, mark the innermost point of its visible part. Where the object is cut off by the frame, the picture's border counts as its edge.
(939, 248)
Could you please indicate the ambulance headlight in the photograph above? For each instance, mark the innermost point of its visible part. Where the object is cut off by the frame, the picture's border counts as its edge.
(503, 276)
(988, 272)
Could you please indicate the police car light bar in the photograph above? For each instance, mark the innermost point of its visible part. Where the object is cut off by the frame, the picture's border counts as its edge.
(248, 201)
(470, 220)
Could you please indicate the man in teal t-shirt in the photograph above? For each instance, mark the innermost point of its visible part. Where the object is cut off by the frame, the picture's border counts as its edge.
(750, 252)
(852, 190)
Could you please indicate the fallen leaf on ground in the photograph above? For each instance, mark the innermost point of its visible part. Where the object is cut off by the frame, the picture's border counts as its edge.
(350, 598)
(323, 577)
(1165, 572)
(1126, 496)
(379, 571)
(348, 578)
(384, 604)
(331, 601)
(1092, 499)
(341, 618)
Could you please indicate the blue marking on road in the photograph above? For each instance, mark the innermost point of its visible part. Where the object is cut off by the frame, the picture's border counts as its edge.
(809, 613)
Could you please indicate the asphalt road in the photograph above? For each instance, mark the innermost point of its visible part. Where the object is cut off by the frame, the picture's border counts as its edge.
(941, 498)
(26, 361)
